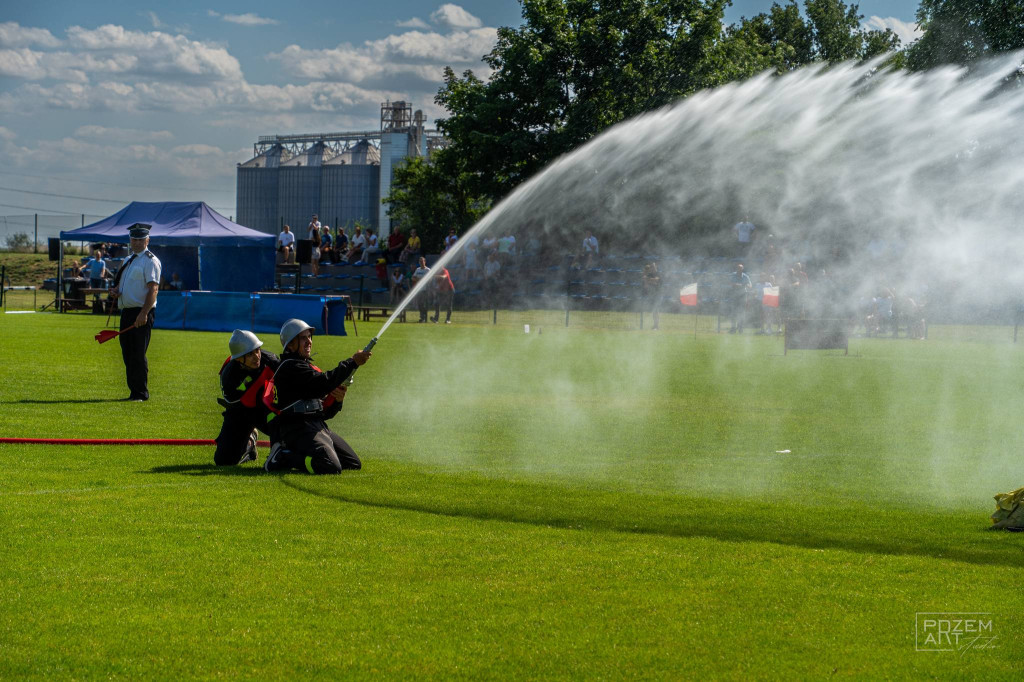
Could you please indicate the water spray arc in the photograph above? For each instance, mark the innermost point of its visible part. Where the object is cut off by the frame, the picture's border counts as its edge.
(926, 164)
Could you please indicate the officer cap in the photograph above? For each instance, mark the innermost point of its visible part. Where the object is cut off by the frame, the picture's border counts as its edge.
(242, 343)
(291, 329)
(139, 230)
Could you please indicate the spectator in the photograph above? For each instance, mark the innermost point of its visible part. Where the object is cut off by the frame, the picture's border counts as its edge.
(744, 236)
(314, 236)
(176, 282)
(396, 244)
(591, 251)
(399, 287)
(651, 288)
(341, 245)
(769, 314)
(372, 247)
(326, 245)
(444, 293)
(490, 244)
(97, 271)
(314, 224)
(356, 245)
(741, 287)
(412, 248)
(471, 261)
(449, 241)
(492, 275)
(421, 298)
(381, 267)
(76, 269)
(286, 245)
(506, 249)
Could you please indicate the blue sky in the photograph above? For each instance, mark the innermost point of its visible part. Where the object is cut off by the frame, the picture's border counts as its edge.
(102, 103)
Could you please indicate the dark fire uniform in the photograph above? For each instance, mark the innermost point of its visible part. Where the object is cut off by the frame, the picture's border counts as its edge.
(299, 394)
(242, 389)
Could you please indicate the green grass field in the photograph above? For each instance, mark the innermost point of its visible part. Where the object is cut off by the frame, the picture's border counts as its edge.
(583, 503)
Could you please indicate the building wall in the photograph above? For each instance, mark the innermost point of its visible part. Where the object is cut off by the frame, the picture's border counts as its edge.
(349, 193)
(394, 147)
(298, 196)
(257, 195)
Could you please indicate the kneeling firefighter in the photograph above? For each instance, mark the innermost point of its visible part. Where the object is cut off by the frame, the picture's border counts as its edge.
(304, 397)
(243, 382)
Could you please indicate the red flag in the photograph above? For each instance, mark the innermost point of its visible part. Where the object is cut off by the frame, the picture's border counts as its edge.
(770, 297)
(688, 295)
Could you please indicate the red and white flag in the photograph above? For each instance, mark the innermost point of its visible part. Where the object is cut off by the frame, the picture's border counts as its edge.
(770, 297)
(688, 294)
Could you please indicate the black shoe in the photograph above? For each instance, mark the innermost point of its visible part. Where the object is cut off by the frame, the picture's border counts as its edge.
(137, 398)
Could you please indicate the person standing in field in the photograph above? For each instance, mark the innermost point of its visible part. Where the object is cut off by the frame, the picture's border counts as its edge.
(651, 289)
(421, 298)
(135, 289)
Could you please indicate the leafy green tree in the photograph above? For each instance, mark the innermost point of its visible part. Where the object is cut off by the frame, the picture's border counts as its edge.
(571, 70)
(432, 196)
(784, 40)
(963, 31)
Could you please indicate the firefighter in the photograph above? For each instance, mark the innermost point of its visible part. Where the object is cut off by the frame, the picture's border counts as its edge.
(243, 383)
(305, 397)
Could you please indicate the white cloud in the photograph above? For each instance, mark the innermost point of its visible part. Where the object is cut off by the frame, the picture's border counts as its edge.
(158, 24)
(415, 22)
(13, 34)
(908, 32)
(6, 134)
(99, 132)
(454, 17)
(414, 59)
(249, 19)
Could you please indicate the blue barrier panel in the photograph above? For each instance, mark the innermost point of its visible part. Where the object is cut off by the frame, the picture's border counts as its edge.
(170, 310)
(271, 311)
(334, 317)
(225, 311)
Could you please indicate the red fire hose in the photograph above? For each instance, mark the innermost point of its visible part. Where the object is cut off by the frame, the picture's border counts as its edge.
(119, 441)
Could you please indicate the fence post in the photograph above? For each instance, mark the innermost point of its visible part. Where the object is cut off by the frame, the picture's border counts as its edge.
(495, 321)
(568, 284)
(3, 284)
(35, 236)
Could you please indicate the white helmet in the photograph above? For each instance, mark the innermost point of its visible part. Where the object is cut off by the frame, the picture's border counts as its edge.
(242, 343)
(291, 329)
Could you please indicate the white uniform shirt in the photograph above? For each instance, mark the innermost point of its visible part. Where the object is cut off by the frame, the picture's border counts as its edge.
(132, 289)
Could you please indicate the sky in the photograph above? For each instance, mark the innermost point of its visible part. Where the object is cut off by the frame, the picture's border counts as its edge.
(102, 102)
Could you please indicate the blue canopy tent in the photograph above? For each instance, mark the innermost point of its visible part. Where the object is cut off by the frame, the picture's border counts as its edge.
(207, 250)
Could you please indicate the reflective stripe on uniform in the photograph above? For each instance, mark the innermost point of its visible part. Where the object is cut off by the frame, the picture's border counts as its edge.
(309, 465)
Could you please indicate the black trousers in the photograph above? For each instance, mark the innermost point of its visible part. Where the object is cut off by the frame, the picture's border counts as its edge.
(316, 449)
(134, 344)
(233, 439)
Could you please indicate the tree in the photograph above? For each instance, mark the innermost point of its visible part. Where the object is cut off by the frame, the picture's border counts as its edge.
(784, 40)
(433, 197)
(963, 31)
(571, 70)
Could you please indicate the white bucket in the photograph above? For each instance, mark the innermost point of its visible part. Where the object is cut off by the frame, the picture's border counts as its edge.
(526, 328)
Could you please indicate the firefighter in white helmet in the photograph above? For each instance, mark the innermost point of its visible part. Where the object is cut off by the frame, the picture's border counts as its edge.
(243, 383)
(305, 397)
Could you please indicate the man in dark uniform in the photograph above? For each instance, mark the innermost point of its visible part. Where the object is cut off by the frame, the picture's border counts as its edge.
(305, 398)
(243, 382)
(135, 288)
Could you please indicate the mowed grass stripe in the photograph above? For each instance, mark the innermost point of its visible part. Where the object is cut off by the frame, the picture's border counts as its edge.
(592, 504)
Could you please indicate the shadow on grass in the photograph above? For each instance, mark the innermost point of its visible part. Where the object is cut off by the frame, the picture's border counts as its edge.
(206, 470)
(880, 532)
(69, 401)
